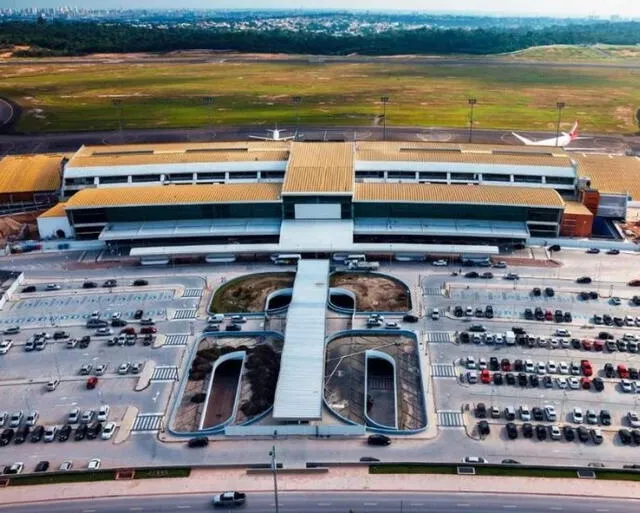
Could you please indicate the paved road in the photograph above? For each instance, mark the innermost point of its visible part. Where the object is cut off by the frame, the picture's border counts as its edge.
(6, 112)
(356, 502)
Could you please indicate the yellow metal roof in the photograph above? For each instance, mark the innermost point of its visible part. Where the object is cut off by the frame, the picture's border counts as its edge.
(460, 153)
(30, 173)
(576, 208)
(611, 174)
(179, 153)
(56, 211)
(175, 195)
(319, 167)
(469, 194)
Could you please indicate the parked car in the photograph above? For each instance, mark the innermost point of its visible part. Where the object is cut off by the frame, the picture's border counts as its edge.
(140, 283)
(378, 439)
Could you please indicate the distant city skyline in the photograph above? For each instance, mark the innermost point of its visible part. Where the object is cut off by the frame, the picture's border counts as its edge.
(574, 8)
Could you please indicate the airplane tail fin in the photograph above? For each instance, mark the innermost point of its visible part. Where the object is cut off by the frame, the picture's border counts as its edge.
(523, 140)
(574, 131)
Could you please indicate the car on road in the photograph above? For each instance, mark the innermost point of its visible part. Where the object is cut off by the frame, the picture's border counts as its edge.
(92, 382)
(28, 289)
(104, 331)
(66, 465)
(124, 368)
(474, 459)
(52, 286)
(52, 384)
(5, 345)
(140, 283)
(93, 464)
(138, 314)
(13, 330)
(379, 439)
(613, 251)
(511, 276)
(89, 285)
(229, 499)
(583, 279)
(199, 441)
(593, 251)
(110, 283)
(108, 430)
(440, 263)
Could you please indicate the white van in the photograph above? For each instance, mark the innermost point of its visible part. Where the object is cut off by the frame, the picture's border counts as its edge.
(435, 314)
(215, 318)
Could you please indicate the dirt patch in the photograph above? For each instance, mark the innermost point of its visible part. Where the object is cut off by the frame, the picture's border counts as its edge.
(249, 293)
(374, 292)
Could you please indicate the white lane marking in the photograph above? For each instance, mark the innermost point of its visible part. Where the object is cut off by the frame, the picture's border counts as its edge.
(183, 506)
(369, 503)
(324, 504)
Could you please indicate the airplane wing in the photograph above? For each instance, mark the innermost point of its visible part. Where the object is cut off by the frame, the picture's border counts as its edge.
(523, 140)
(260, 138)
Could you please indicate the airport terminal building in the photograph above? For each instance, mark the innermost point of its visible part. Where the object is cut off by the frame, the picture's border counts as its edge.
(318, 198)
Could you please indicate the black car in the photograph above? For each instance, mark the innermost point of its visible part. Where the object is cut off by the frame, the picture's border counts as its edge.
(598, 384)
(64, 432)
(534, 382)
(89, 285)
(555, 247)
(6, 436)
(483, 428)
(607, 319)
(636, 300)
(583, 279)
(497, 378)
(567, 317)
(605, 417)
(547, 382)
(518, 330)
(605, 335)
(118, 323)
(42, 466)
(233, 327)
(593, 294)
(596, 437)
(148, 340)
(140, 283)
(84, 342)
(549, 292)
(486, 275)
(618, 321)
(199, 441)
(477, 328)
(558, 316)
(472, 274)
(633, 373)
(541, 432)
(479, 312)
(494, 364)
(536, 291)
(518, 365)
(94, 431)
(584, 296)
(528, 314)
(583, 434)
(464, 337)
(21, 434)
(538, 414)
(110, 283)
(522, 379)
(527, 430)
(378, 440)
(96, 323)
(510, 378)
(410, 318)
(481, 411)
(512, 431)
(622, 345)
(575, 343)
(36, 434)
(138, 315)
(569, 433)
(60, 335)
(488, 312)
(81, 432)
(625, 436)
(635, 433)
(28, 288)
(613, 252)
(539, 313)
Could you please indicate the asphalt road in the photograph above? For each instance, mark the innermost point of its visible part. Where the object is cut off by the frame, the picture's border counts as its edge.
(355, 502)
(6, 112)
(71, 141)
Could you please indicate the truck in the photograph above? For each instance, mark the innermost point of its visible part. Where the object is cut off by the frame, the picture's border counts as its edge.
(363, 266)
(510, 338)
(229, 499)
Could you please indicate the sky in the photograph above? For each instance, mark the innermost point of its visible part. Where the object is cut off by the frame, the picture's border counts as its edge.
(626, 8)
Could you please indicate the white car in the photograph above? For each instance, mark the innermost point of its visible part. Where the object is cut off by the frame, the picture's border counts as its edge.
(634, 419)
(52, 286)
(5, 345)
(565, 343)
(16, 468)
(103, 413)
(552, 367)
(563, 368)
(626, 386)
(435, 314)
(124, 368)
(93, 464)
(525, 413)
(541, 367)
(592, 417)
(50, 433)
(392, 325)
(74, 416)
(555, 433)
(554, 343)
(474, 459)
(87, 416)
(15, 419)
(563, 332)
(3, 418)
(562, 383)
(108, 430)
(576, 416)
(482, 363)
(440, 263)
(469, 311)
(238, 319)
(52, 384)
(102, 332)
(574, 384)
(215, 318)
(100, 369)
(471, 362)
(550, 413)
(66, 465)
(116, 315)
(528, 366)
(32, 418)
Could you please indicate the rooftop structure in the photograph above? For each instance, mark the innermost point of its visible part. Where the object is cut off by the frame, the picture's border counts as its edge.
(611, 173)
(319, 168)
(30, 173)
(300, 383)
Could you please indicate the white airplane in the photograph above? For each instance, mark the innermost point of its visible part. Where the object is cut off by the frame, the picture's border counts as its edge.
(275, 136)
(564, 140)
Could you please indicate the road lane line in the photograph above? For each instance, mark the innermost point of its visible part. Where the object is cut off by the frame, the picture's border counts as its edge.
(369, 503)
(324, 504)
(183, 506)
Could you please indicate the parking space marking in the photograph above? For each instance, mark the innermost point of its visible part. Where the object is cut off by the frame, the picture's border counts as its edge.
(146, 422)
(443, 370)
(433, 291)
(438, 337)
(176, 339)
(185, 314)
(192, 293)
(165, 373)
(450, 418)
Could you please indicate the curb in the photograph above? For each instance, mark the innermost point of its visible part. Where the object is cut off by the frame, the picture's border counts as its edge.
(145, 376)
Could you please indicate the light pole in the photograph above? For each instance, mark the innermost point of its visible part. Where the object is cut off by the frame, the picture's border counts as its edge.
(559, 106)
(272, 453)
(296, 103)
(384, 100)
(209, 101)
(117, 103)
(472, 102)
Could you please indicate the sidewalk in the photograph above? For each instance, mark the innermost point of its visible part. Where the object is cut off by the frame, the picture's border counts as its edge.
(348, 478)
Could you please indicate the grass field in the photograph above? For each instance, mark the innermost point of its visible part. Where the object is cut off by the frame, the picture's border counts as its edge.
(79, 97)
(580, 53)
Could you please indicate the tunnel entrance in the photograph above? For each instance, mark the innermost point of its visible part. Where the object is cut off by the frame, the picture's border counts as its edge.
(223, 393)
(381, 397)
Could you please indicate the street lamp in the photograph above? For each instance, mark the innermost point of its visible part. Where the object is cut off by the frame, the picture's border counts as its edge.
(559, 106)
(472, 102)
(209, 101)
(274, 467)
(384, 100)
(296, 102)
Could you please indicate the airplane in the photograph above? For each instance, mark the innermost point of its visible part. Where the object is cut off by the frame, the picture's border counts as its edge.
(275, 136)
(564, 140)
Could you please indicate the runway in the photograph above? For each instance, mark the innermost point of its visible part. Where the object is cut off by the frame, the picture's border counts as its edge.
(71, 141)
(332, 502)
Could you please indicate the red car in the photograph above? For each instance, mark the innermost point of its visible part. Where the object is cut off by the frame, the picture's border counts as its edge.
(623, 372)
(585, 383)
(485, 376)
(129, 330)
(587, 369)
(505, 365)
(92, 382)
(548, 315)
(587, 344)
(148, 330)
(598, 345)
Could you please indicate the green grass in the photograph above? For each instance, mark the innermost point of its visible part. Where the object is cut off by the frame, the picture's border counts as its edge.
(162, 473)
(79, 96)
(412, 469)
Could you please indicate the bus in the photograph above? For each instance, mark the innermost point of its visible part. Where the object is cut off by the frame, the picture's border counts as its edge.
(154, 260)
(286, 259)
